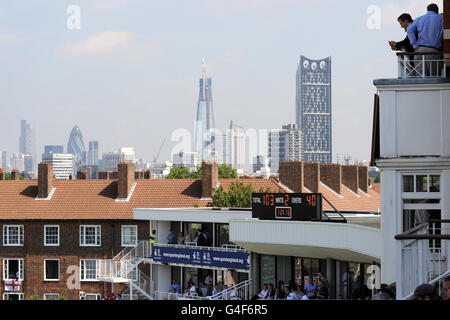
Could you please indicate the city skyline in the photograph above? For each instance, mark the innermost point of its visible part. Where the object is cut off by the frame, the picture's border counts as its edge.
(152, 85)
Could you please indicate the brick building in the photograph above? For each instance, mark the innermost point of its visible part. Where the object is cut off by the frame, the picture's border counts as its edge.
(51, 228)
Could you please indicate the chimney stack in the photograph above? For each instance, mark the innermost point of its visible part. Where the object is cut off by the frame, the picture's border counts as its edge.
(15, 175)
(125, 179)
(82, 174)
(103, 175)
(148, 175)
(45, 179)
(291, 175)
(350, 177)
(210, 177)
(363, 173)
(311, 176)
(331, 176)
(2, 174)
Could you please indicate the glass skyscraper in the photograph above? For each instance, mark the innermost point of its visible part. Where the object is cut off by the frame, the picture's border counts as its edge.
(76, 147)
(313, 108)
(204, 143)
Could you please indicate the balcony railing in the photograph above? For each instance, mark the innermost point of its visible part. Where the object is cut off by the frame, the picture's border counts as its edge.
(421, 65)
(424, 256)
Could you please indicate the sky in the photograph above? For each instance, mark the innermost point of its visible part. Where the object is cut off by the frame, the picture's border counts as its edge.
(129, 75)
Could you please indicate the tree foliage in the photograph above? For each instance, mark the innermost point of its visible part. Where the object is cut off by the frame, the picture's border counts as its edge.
(183, 172)
(227, 172)
(238, 196)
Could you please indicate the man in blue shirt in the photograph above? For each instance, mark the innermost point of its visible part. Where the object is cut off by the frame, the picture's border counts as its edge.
(171, 238)
(310, 289)
(430, 30)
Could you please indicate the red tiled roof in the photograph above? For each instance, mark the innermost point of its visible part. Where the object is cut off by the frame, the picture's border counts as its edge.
(96, 199)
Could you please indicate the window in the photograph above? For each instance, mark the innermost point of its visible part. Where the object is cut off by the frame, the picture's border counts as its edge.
(51, 235)
(88, 270)
(13, 296)
(13, 269)
(90, 236)
(51, 296)
(129, 236)
(421, 199)
(51, 270)
(12, 235)
(92, 296)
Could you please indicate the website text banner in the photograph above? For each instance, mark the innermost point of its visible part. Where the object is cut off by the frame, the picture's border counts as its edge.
(202, 257)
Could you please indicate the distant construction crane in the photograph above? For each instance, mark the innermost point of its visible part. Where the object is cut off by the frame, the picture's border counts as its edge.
(155, 158)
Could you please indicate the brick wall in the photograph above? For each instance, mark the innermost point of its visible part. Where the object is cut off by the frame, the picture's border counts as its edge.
(363, 176)
(291, 175)
(126, 179)
(331, 175)
(350, 177)
(311, 176)
(68, 252)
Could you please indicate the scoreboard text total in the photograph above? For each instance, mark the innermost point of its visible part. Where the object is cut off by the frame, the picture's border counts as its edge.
(288, 206)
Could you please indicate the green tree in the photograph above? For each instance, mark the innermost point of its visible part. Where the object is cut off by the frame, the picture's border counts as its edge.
(238, 196)
(227, 172)
(179, 173)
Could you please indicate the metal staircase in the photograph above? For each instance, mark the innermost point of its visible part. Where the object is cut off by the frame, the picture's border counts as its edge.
(124, 268)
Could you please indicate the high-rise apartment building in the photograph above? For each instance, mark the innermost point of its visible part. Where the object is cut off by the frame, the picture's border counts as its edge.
(285, 144)
(236, 143)
(313, 108)
(26, 144)
(18, 162)
(222, 149)
(93, 153)
(204, 143)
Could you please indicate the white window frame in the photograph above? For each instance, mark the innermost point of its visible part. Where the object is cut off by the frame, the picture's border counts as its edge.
(98, 296)
(45, 235)
(84, 271)
(13, 293)
(98, 235)
(51, 294)
(45, 270)
(414, 195)
(122, 236)
(6, 268)
(6, 240)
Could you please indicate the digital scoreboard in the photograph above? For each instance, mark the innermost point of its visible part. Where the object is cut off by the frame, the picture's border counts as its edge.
(287, 206)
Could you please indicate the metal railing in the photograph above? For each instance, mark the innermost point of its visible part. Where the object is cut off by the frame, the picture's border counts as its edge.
(421, 65)
(240, 291)
(424, 256)
(158, 295)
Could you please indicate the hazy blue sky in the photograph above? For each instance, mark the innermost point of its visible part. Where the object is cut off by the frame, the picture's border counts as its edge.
(130, 75)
